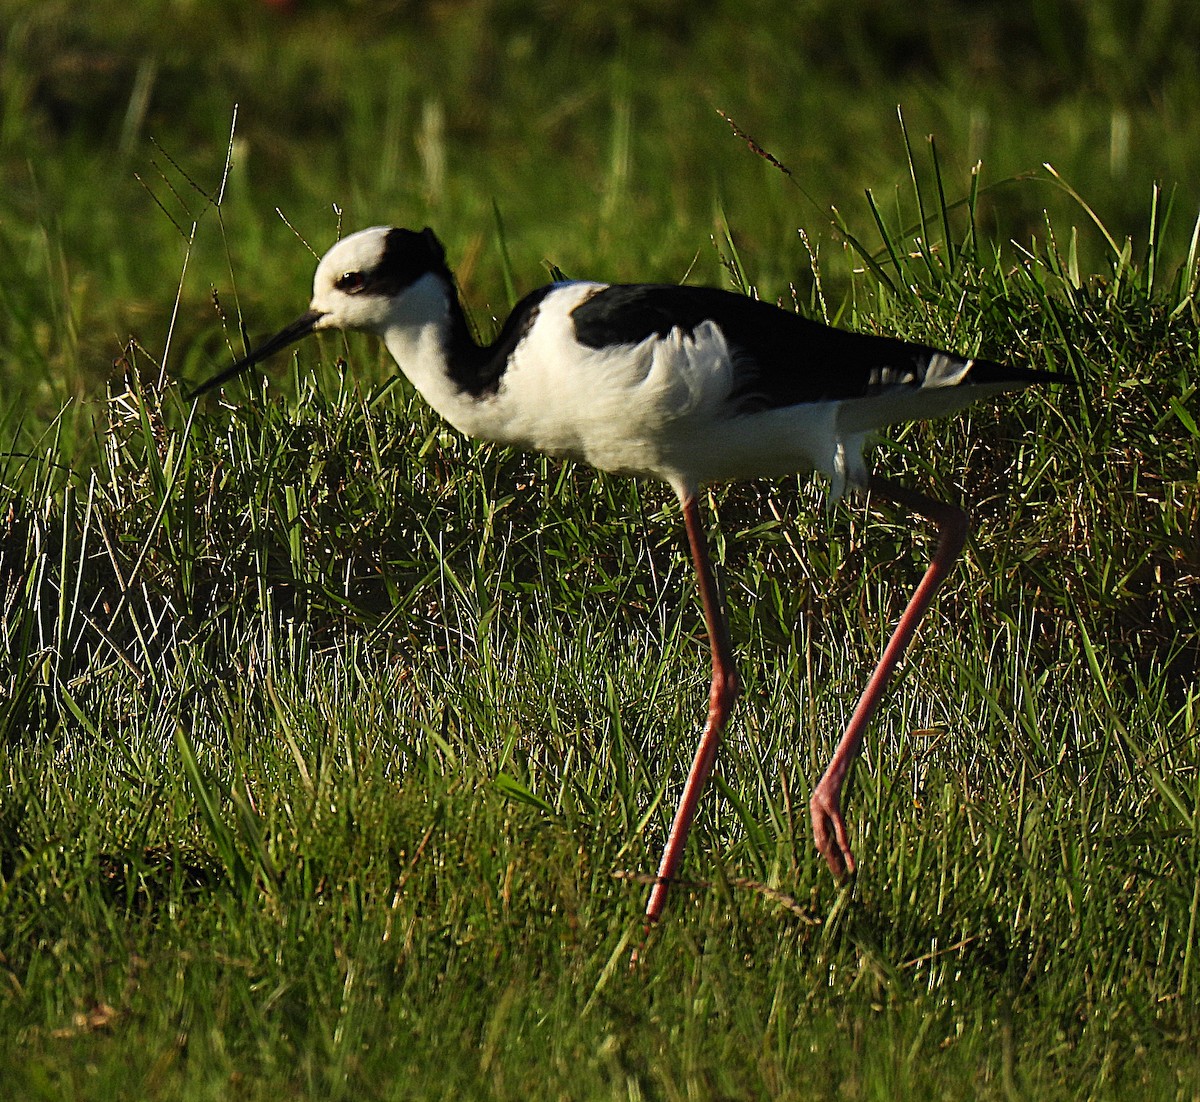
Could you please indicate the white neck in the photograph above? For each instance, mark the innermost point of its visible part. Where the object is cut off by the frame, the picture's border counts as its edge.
(420, 335)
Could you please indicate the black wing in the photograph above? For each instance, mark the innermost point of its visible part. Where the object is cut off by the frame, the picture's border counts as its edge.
(782, 359)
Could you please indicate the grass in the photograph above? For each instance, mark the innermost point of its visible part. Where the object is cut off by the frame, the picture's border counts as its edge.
(333, 745)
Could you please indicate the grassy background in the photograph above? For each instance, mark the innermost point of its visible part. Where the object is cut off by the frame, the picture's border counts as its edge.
(323, 731)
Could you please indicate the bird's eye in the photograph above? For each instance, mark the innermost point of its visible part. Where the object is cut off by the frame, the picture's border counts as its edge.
(350, 282)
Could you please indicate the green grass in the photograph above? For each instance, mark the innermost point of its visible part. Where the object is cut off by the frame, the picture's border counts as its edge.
(333, 746)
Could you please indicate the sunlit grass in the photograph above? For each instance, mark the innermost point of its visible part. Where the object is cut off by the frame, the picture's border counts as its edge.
(335, 748)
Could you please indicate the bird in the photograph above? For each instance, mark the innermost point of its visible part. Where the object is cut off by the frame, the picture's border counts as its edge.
(690, 385)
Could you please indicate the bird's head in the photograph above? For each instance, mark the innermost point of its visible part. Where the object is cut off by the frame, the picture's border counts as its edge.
(367, 281)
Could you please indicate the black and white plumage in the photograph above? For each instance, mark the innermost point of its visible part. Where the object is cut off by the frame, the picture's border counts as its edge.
(690, 385)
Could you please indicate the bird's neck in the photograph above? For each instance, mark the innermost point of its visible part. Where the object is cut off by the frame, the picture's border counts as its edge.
(432, 342)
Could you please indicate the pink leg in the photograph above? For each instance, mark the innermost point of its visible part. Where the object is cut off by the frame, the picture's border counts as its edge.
(721, 696)
(829, 828)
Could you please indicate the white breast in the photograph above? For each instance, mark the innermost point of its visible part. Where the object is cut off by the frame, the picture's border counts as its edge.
(618, 408)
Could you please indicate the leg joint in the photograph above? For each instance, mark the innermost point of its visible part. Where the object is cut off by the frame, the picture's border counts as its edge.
(726, 688)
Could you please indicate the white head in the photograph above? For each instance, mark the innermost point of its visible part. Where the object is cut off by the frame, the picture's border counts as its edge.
(361, 283)
(361, 280)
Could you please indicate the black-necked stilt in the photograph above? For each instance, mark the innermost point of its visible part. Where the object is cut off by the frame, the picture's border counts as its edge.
(689, 384)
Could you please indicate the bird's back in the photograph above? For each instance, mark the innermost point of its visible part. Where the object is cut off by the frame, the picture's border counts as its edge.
(781, 357)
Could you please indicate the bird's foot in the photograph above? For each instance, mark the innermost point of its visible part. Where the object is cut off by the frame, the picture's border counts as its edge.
(829, 832)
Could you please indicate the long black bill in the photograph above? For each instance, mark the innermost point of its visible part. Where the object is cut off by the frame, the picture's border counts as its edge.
(300, 328)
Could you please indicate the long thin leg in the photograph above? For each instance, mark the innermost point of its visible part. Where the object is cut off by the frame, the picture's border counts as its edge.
(721, 697)
(829, 828)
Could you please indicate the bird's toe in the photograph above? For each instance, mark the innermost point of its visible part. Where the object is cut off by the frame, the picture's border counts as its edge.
(830, 835)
